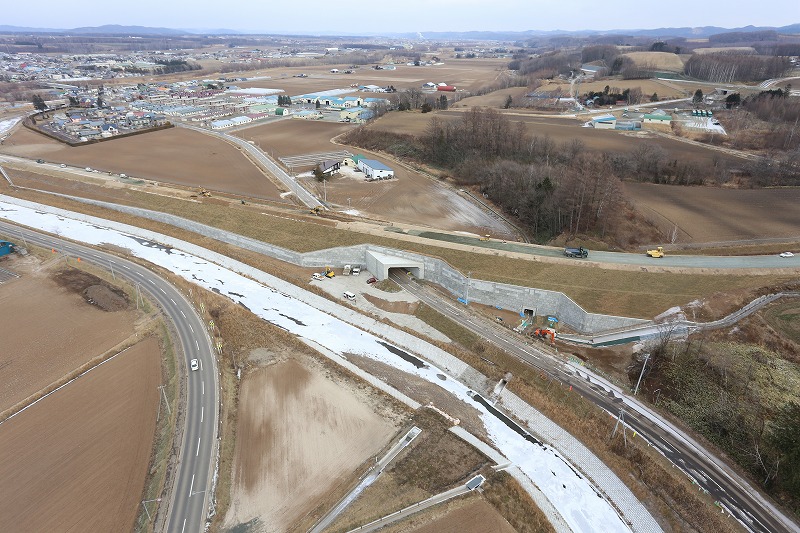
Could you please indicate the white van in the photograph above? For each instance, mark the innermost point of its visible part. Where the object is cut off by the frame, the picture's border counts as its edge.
(349, 296)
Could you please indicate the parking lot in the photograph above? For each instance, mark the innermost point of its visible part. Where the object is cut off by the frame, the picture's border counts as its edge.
(397, 307)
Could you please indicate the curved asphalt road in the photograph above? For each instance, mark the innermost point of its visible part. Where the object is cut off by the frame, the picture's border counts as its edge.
(753, 510)
(188, 508)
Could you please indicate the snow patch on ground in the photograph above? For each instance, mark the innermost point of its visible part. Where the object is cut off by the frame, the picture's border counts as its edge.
(6, 125)
(583, 509)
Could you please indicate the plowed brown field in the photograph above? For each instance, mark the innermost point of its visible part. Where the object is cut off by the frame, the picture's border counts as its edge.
(49, 331)
(704, 214)
(175, 155)
(467, 74)
(298, 435)
(77, 460)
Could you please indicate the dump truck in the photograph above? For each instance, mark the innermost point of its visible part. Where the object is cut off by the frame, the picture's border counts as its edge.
(346, 270)
(576, 252)
(658, 252)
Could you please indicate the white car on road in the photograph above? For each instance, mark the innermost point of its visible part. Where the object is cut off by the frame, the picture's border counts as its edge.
(786, 254)
(194, 364)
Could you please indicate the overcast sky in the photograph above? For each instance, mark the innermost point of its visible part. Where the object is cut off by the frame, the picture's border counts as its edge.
(375, 16)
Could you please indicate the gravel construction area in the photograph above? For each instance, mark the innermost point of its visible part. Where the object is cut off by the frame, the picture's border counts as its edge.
(299, 434)
(53, 329)
(398, 307)
(411, 197)
(80, 456)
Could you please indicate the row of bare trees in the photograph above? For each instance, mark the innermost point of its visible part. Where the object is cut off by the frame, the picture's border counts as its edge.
(549, 188)
(726, 68)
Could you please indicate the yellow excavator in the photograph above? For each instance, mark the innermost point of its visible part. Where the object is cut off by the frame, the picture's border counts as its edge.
(329, 272)
(316, 210)
(658, 252)
(204, 192)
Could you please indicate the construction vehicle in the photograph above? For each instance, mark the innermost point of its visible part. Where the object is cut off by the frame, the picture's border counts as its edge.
(329, 272)
(356, 270)
(658, 252)
(6, 248)
(543, 333)
(576, 252)
(486, 237)
(346, 270)
(316, 210)
(204, 192)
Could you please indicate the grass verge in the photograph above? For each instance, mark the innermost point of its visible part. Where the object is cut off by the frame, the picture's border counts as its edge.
(513, 503)
(617, 292)
(164, 443)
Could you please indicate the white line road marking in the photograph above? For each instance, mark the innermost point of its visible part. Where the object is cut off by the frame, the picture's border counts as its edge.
(191, 486)
(203, 384)
(191, 328)
(125, 266)
(173, 302)
(184, 525)
(151, 281)
(162, 290)
(184, 316)
(197, 344)
(202, 410)
(198, 447)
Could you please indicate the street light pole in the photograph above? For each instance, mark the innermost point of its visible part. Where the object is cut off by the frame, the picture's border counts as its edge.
(636, 389)
(466, 293)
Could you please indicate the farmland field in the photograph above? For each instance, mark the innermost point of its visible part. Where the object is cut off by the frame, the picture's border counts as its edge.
(52, 331)
(563, 130)
(657, 60)
(80, 456)
(466, 74)
(175, 155)
(705, 214)
(299, 435)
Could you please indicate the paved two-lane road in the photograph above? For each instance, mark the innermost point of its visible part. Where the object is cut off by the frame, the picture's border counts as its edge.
(188, 509)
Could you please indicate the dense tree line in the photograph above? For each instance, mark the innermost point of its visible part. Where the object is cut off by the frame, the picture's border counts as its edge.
(719, 391)
(726, 68)
(548, 65)
(549, 188)
(743, 36)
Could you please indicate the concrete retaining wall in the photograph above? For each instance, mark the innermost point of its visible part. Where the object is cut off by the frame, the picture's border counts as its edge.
(513, 297)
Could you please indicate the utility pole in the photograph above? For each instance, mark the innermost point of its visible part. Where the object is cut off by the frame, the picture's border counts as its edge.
(112, 271)
(636, 389)
(621, 420)
(144, 503)
(164, 394)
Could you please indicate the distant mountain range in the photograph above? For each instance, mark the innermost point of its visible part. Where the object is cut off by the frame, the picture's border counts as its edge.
(698, 32)
(116, 29)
